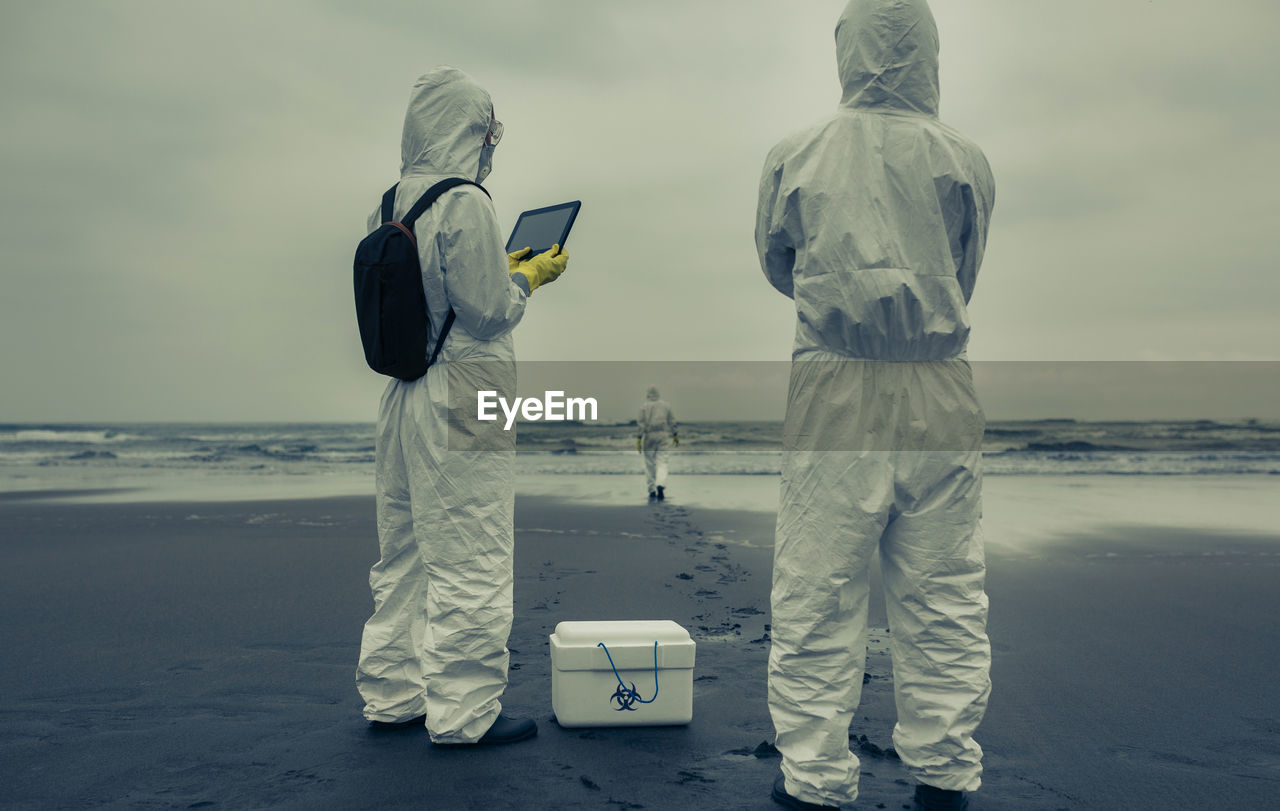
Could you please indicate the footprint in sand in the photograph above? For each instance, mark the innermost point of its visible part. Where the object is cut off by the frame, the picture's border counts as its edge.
(690, 776)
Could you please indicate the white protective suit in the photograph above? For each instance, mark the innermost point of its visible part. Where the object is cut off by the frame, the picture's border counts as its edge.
(657, 426)
(874, 221)
(436, 643)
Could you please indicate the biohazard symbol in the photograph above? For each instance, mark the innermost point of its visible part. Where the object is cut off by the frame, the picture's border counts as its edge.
(626, 698)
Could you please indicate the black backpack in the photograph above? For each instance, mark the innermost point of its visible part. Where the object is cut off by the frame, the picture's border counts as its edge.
(390, 305)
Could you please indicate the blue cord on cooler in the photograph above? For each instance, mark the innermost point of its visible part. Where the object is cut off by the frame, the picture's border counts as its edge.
(627, 696)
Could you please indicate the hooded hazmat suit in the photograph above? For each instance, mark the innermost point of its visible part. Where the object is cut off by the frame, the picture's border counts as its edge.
(442, 590)
(657, 425)
(874, 221)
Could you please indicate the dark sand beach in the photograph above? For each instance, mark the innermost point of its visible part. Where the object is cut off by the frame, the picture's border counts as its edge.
(202, 655)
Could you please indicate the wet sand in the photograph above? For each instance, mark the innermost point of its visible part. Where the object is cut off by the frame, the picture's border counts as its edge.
(202, 655)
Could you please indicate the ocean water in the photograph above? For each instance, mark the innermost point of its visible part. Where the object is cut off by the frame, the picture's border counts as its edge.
(53, 456)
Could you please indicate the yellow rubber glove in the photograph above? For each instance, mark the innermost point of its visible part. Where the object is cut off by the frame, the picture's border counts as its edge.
(638, 448)
(514, 259)
(542, 269)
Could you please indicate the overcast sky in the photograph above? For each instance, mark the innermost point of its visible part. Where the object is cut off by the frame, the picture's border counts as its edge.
(184, 183)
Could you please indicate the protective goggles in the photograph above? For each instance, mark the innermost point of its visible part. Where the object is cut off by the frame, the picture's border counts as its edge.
(494, 135)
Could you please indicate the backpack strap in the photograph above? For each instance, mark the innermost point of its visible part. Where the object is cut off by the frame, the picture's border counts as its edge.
(432, 194)
(389, 204)
(444, 333)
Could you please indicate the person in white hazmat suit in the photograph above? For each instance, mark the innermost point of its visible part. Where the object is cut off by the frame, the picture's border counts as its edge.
(657, 435)
(434, 652)
(874, 221)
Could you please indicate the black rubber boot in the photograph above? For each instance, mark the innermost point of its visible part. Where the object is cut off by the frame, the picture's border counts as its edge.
(931, 798)
(781, 797)
(661, 493)
(393, 726)
(508, 730)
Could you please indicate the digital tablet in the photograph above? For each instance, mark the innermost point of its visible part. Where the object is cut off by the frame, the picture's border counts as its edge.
(543, 227)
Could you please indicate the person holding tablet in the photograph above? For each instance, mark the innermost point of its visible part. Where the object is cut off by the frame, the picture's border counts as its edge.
(434, 652)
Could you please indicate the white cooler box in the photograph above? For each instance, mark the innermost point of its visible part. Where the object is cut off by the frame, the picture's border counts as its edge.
(585, 691)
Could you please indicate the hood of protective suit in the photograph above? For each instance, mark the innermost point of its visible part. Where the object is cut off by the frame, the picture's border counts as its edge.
(652, 394)
(887, 55)
(445, 125)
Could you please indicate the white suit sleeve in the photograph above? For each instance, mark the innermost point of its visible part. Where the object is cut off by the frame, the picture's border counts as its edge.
(488, 304)
(777, 254)
(977, 199)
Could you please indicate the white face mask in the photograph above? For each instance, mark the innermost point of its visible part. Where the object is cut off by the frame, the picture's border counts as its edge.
(486, 162)
(491, 138)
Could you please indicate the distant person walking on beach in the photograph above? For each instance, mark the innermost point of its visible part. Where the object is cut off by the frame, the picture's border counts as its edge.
(434, 652)
(874, 221)
(657, 435)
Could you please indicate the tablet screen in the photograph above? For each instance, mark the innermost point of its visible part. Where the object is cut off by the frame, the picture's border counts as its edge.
(543, 227)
